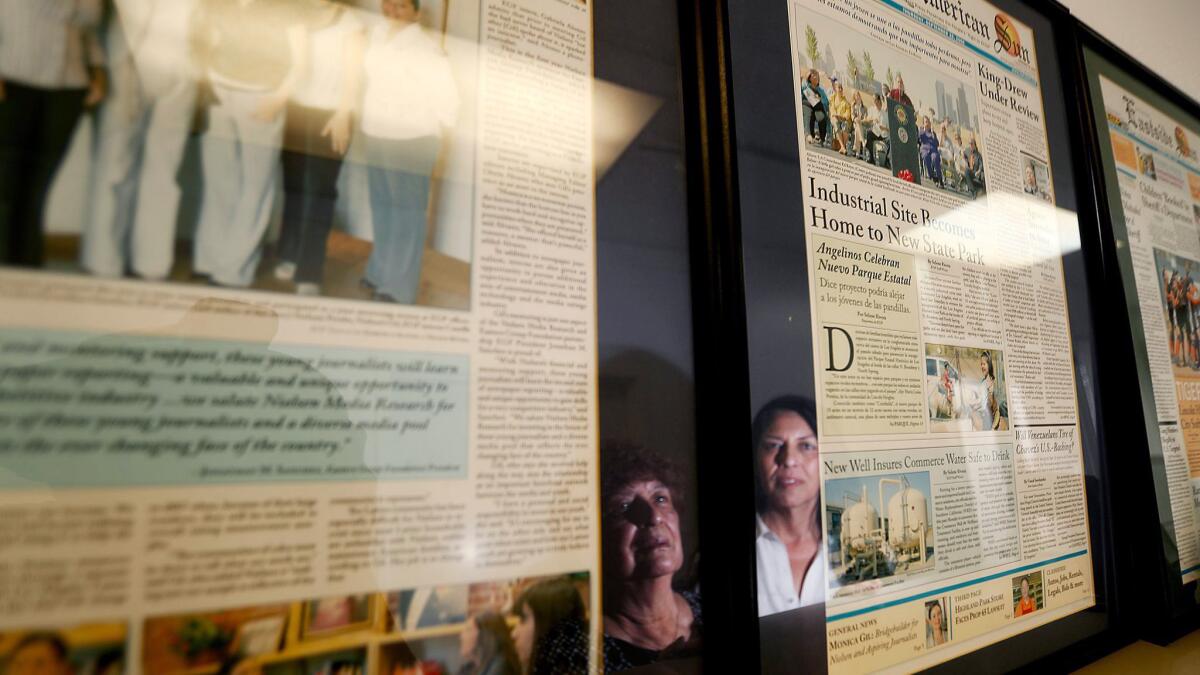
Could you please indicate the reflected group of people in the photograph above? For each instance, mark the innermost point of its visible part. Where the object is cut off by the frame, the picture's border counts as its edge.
(274, 86)
(652, 610)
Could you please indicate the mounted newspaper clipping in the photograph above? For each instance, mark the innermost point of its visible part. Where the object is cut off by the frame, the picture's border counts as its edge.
(343, 422)
(1154, 159)
(951, 473)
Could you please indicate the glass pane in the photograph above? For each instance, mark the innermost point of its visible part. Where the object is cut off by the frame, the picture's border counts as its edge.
(312, 310)
(1152, 176)
(918, 336)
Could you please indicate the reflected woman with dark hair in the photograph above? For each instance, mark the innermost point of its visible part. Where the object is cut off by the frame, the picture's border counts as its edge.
(790, 554)
(486, 646)
(645, 618)
(551, 634)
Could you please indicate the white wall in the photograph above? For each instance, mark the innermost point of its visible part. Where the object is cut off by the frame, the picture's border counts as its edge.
(1162, 34)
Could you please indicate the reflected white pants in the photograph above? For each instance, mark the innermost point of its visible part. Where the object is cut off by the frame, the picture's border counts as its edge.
(135, 193)
(241, 161)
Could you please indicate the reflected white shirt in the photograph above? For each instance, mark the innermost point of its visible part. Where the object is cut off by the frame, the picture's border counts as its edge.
(322, 88)
(50, 44)
(776, 592)
(156, 36)
(410, 89)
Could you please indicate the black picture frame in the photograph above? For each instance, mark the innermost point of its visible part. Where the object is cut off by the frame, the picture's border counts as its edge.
(1156, 605)
(743, 173)
(726, 488)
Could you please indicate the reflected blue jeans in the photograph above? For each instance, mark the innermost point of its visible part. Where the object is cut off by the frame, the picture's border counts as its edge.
(399, 181)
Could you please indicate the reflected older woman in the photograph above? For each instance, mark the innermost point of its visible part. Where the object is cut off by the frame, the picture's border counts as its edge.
(791, 557)
(645, 618)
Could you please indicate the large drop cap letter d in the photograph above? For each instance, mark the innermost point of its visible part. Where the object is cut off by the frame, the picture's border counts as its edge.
(849, 346)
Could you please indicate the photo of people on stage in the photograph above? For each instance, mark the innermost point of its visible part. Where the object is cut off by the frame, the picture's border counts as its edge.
(297, 146)
(864, 102)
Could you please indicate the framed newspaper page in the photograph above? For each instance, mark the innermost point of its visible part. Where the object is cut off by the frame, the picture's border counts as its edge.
(1144, 137)
(304, 361)
(925, 447)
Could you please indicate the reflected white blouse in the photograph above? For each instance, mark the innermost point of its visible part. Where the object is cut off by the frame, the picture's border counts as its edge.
(410, 87)
(775, 590)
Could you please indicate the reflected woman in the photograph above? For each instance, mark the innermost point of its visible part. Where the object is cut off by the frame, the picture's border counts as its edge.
(410, 102)
(645, 618)
(486, 646)
(316, 137)
(791, 556)
(252, 54)
(551, 632)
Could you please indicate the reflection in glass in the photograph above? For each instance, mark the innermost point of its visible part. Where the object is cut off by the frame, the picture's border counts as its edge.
(51, 69)
(287, 145)
(646, 619)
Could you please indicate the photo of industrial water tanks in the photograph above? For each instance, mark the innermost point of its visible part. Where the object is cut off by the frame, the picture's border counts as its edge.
(879, 526)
